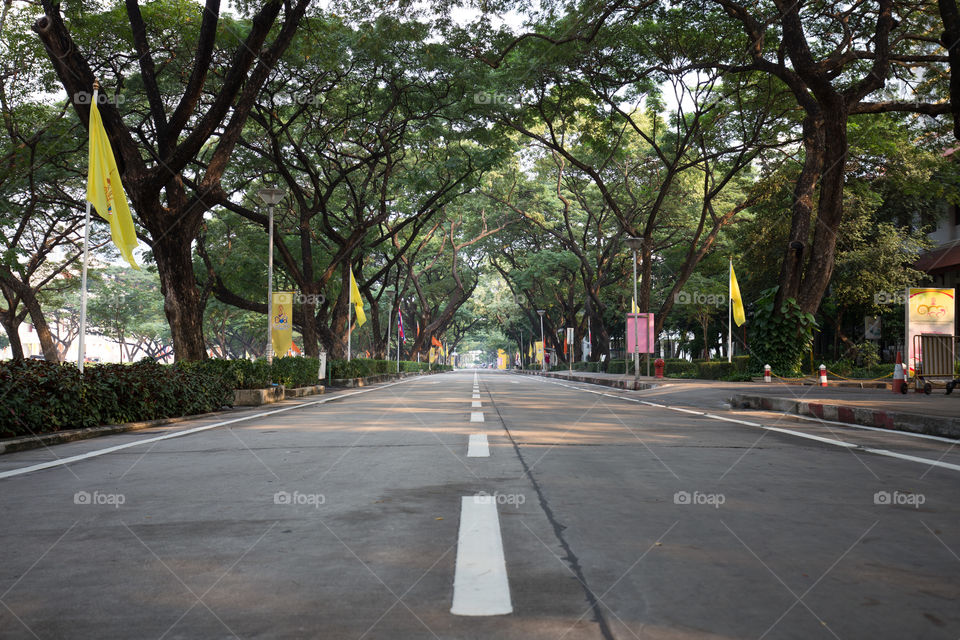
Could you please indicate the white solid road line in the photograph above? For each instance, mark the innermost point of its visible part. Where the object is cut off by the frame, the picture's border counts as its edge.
(475, 404)
(799, 434)
(480, 586)
(904, 456)
(910, 434)
(476, 416)
(177, 434)
(478, 447)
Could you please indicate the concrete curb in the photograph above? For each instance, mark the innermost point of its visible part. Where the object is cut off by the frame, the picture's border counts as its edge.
(849, 384)
(350, 383)
(616, 383)
(894, 420)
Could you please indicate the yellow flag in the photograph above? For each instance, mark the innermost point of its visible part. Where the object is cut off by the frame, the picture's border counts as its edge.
(735, 299)
(636, 309)
(357, 301)
(104, 190)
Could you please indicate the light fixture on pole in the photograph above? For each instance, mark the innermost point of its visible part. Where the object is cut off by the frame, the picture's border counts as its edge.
(635, 244)
(270, 197)
(543, 344)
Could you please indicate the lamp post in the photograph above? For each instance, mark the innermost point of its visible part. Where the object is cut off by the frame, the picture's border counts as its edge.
(543, 344)
(635, 244)
(270, 197)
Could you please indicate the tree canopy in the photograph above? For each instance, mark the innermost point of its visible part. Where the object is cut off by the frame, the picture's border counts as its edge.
(446, 160)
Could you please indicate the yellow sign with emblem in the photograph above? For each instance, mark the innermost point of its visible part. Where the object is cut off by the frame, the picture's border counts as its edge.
(281, 323)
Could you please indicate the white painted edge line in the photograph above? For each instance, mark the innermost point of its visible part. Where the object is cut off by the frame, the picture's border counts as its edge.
(799, 434)
(177, 434)
(475, 404)
(480, 585)
(810, 436)
(478, 447)
(734, 420)
(904, 456)
(690, 411)
(476, 416)
(863, 426)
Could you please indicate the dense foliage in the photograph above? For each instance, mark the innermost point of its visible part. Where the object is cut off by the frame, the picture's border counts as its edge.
(469, 174)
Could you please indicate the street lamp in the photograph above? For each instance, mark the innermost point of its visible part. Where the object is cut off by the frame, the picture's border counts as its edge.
(635, 244)
(270, 197)
(543, 343)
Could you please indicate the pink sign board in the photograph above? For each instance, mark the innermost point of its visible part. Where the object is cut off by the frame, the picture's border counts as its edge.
(640, 332)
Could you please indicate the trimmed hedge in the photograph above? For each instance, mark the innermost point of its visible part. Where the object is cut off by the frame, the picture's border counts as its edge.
(38, 396)
(296, 371)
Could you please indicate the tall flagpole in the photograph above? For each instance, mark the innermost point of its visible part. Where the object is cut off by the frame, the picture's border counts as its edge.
(81, 347)
(349, 313)
(730, 313)
(81, 350)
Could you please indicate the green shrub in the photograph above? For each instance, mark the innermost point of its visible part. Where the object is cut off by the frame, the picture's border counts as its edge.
(742, 364)
(714, 369)
(782, 339)
(679, 368)
(44, 396)
(363, 367)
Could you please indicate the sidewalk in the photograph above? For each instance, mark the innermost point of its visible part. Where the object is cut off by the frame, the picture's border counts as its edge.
(937, 414)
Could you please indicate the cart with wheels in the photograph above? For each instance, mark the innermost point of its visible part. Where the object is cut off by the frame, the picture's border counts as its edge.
(936, 361)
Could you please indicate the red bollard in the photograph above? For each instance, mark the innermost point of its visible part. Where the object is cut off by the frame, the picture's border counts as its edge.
(823, 375)
(658, 367)
(766, 373)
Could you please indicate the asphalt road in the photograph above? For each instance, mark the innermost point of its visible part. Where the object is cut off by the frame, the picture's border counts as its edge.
(598, 516)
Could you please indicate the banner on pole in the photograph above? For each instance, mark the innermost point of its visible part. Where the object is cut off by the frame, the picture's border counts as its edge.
(639, 333)
(927, 311)
(281, 324)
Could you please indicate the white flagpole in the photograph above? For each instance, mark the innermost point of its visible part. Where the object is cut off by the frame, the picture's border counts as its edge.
(730, 313)
(349, 314)
(81, 347)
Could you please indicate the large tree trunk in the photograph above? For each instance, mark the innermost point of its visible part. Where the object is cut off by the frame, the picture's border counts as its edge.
(182, 302)
(12, 327)
(950, 14)
(829, 211)
(308, 329)
(791, 269)
(47, 344)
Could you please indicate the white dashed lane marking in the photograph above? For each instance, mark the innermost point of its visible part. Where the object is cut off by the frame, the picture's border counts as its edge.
(480, 585)
(478, 447)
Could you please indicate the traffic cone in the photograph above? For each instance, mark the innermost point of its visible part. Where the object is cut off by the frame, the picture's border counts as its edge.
(898, 380)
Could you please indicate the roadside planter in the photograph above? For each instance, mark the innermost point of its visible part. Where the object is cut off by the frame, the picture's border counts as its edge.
(257, 397)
